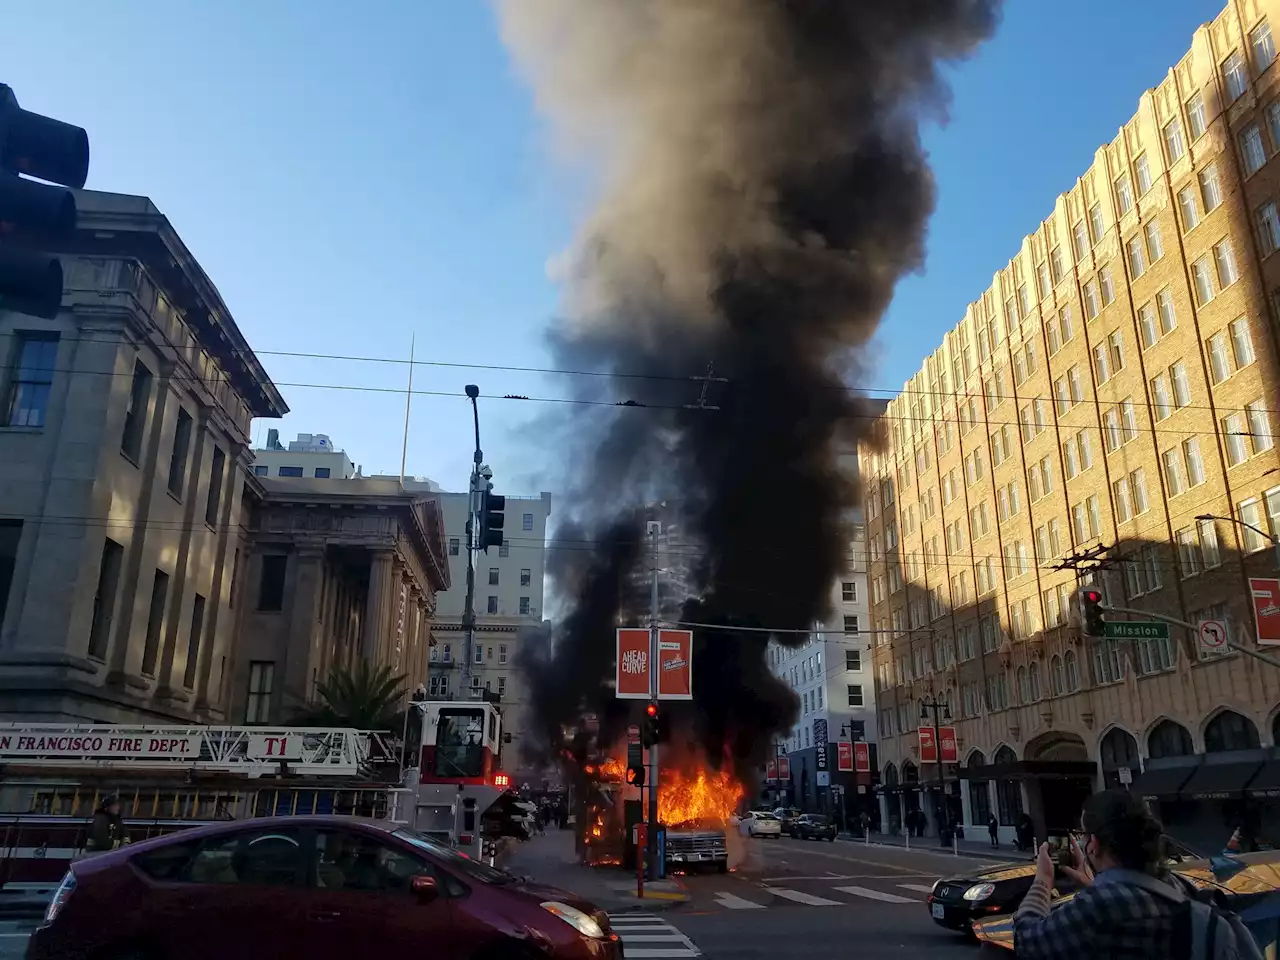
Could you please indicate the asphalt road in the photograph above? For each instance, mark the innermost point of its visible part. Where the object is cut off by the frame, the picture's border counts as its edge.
(816, 900)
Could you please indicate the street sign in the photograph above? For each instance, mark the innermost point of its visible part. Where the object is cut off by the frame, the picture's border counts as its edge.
(632, 671)
(1266, 609)
(862, 757)
(1212, 635)
(928, 746)
(820, 746)
(1126, 775)
(771, 771)
(784, 768)
(1135, 630)
(633, 733)
(824, 778)
(947, 744)
(844, 756)
(675, 664)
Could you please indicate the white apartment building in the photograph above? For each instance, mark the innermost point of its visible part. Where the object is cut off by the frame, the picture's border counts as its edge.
(311, 455)
(508, 601)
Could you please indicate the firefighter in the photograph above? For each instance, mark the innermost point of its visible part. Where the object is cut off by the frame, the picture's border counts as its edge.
(107, 830)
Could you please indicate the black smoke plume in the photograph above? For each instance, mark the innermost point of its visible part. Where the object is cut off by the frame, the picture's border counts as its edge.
(761, 189)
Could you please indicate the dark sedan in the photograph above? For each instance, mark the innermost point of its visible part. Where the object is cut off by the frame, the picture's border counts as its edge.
(811, 826)
(961, 901)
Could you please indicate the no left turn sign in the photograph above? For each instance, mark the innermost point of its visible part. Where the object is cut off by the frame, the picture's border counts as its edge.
(1213, 635)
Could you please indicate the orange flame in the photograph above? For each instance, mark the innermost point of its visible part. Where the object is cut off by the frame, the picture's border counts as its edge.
(703, 794)
(612, 769)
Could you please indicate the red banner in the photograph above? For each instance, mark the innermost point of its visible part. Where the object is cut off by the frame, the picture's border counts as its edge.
(844, 756)
(928, 748)
(1266, 609)
(947, 741)
(784, 768)
(632, 671)
(771, 771)
(862, 757)
(675, 664)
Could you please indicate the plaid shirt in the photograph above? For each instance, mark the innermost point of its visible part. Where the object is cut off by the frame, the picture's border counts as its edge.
(1106, 920)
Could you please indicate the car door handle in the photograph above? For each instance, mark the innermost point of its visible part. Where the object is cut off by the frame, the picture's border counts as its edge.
(323, 916)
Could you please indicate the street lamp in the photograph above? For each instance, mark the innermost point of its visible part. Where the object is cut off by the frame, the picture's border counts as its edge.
(1273, 540)
(929, 709)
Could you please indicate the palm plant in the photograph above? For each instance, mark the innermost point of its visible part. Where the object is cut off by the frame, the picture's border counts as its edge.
(366, 698)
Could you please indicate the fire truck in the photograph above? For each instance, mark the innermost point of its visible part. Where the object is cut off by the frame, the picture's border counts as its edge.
(54, 777)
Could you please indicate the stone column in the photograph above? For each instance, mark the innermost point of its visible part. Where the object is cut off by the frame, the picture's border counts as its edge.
(304, 611)
(377, 614)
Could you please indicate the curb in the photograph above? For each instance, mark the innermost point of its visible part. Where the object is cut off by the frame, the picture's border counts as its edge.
(996, 856)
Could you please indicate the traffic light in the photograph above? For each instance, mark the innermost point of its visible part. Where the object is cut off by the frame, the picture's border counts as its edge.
(635, 775)
(33, 213)
(1091, 618)
(651, 726)
(491, 518)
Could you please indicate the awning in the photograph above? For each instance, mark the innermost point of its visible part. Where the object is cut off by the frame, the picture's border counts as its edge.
(1267, 782)
(1219, 781)
(1033, 770)
(1162, 783)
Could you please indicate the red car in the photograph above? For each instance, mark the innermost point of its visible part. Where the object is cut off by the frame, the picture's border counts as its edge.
(314, 887)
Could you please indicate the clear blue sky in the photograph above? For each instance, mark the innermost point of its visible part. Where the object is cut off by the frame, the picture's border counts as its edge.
(350, 176)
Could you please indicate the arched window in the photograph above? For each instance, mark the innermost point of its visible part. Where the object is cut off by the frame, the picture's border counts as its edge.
(1169, 739)
(1057, 681)
(1072, 669)
(891, 776)
(1033, 680)
(979, 795)
(1008, 792)
(1230, 731)
(1024, 688)
(1119, 749)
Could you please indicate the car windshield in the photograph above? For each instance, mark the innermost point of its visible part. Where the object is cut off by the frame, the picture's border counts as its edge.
(820, 821)
(472, 868)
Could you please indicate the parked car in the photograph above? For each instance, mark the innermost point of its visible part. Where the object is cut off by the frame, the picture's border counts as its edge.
(960, 902)
(760, 823)
(787, 817)
(812, 826)
(311, 886)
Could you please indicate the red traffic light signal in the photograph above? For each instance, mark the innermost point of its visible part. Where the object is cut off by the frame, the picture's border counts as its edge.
(651, 710)
(1092, 621)
(1092, 596)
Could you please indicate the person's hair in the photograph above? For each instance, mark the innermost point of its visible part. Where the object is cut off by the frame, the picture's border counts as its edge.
(1125, 829)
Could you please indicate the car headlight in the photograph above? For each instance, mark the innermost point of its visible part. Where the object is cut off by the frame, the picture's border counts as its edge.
(980, 891)
(575, 918)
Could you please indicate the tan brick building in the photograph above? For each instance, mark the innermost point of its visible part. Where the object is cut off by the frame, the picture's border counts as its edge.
(1117, 382)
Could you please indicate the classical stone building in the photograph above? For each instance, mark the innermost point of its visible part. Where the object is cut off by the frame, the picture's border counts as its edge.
(124, 428)
(1116, 387)
(335, 571)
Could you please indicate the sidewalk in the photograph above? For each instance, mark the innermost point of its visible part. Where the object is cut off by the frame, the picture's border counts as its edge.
(550, 859)
(981, 849)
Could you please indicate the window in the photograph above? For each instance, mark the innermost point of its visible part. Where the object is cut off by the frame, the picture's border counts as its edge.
(323, 473)
(1234, 76)
(455, 546)
(1142, 574)
(1092, 307)
(853, 660)
(1107, 286)
(1210, 188)
(502, 686)
(526, 577)
(1174, 477)
(1193, 461)
(1268, 228)
(1079, 240)
(1096, 229)
(1181, 385)
(1168, 316)
(1219, 358)
(1196, 116)
(1162, 405)
(1261, 47)
(1188, 544)
(1233, 433)
(271, 584)
(1188, 207)
(290, 472)
(491, 605)
(193, 642)
(1250, 513)
(502, 653)
(1055, 263)
(1137, 257)
(1253, 154)
(524, 607)
(505, 549)
(850, 624)
(1202, 278)
(849, 591)
(104, 601)
(493, 576)
(1102, 362)
(31, 378)
(155, 622)
(1241, 342)
(1225, 258)
(136, 415)
(260, 470)
(1124, 191)
(1155, 243)
(178, 458)
(1174, 147)
(1260, 435)
(1273, 122)
(527, 522)
(216, 471)
(1142, 171)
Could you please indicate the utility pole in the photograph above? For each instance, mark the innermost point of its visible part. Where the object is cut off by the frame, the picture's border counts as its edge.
(927, 707)
(473, 505)
(652, 833)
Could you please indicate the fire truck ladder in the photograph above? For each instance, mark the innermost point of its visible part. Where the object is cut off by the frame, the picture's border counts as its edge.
(248, 751)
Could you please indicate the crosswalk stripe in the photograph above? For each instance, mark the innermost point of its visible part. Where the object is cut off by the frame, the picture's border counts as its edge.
(645, 953)
(732, 902)
(875, 895)
(918, 887)
(649, 937)
(799, 897)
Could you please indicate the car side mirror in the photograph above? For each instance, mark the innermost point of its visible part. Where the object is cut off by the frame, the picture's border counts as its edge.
(424, 888)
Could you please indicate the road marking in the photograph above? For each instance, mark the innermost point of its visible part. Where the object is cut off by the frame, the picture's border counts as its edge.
(876, 895)
(649, 931)
(919, 887)
(912, 871)
(799, 897)
(733, 902)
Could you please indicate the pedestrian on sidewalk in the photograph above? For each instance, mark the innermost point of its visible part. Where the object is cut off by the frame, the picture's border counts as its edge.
(993, 828)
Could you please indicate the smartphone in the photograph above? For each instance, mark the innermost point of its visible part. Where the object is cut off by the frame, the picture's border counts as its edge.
(1060, 850)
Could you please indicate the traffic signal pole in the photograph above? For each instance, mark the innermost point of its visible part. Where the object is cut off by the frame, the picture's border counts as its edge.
(473, 505)
(652, 832)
